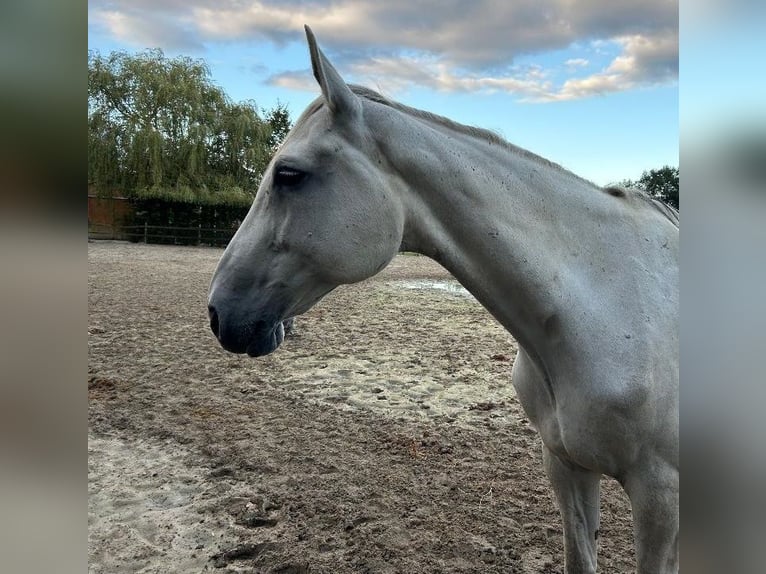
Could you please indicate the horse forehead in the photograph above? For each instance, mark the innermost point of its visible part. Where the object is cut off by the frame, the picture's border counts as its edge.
(314, 122)
(311, 136)
(316, 130)
(323, 145)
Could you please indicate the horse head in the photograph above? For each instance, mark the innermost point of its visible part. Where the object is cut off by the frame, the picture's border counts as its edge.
(325, 214)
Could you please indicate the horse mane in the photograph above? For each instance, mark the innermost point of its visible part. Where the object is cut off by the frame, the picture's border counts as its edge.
(670, 212)
(473, 131)
(371, 95)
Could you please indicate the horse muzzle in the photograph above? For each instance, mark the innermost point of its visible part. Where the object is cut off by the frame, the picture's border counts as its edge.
(256, 338)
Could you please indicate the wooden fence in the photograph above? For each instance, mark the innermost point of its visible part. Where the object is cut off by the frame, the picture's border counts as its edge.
(178, 235)
(112, 218)
(107, 215)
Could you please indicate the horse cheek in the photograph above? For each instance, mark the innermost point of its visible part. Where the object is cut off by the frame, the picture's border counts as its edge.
(364, 246)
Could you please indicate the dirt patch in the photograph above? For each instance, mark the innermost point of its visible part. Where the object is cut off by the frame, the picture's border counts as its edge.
(383, 436)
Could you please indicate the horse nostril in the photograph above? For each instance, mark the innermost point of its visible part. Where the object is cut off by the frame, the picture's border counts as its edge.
(214, 326)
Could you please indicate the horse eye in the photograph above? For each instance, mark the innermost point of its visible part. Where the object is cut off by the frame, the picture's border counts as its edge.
(288, 177)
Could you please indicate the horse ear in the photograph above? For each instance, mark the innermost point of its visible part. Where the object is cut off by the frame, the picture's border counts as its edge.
(340, 99)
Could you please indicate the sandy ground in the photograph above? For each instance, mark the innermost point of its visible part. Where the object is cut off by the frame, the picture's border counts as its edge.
(383, 436)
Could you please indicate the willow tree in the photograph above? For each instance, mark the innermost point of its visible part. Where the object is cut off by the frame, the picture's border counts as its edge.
(159, 127)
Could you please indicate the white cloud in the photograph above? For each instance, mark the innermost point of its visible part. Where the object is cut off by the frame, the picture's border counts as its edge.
(445, 45)
(577, 63)
(303, 81)
(406, 72)
(644, 61)
(161, 30)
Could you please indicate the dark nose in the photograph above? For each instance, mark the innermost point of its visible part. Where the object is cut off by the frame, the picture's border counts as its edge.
(214, 324)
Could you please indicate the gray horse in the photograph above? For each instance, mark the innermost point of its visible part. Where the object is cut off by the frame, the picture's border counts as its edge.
(584, 278)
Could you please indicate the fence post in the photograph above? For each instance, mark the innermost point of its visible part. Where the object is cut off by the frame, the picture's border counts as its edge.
(146, 231)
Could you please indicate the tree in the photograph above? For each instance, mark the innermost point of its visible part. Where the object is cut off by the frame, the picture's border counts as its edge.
(279, 121)
(158, 127)
(659, 183)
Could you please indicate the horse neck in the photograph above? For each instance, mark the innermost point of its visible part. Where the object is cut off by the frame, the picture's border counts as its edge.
(508, 225)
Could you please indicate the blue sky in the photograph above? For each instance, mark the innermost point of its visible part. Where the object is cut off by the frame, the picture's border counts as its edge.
(589, 84)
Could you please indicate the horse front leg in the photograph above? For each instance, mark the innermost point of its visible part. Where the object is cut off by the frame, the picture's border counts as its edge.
(577, 492)
(653, 493)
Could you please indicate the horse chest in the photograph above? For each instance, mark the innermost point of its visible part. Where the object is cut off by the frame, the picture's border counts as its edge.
(584, 428)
